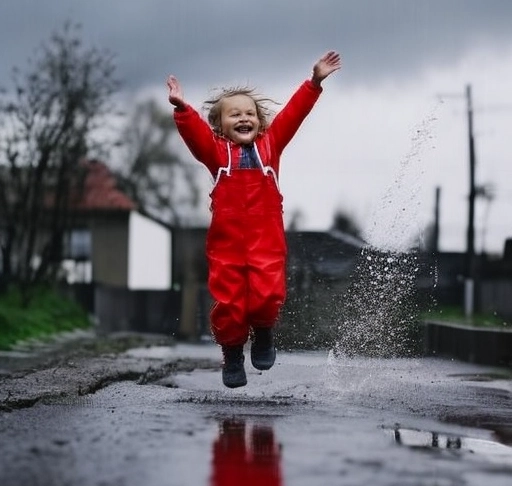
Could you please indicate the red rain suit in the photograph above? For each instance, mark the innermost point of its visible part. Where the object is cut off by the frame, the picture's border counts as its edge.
(245, 246)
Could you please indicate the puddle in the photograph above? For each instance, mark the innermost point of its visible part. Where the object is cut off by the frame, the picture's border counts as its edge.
(492, 451)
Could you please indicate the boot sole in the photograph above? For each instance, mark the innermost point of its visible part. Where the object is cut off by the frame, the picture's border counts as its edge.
(234, 383)
(264, 364)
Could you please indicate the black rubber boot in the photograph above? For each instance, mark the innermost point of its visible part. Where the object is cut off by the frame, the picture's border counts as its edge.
(233, 372)
(263, 351)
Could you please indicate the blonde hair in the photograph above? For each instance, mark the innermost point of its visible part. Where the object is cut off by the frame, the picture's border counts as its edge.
(213, 106)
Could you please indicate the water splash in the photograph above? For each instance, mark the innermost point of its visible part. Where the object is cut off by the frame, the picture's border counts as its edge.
(378, 315)
(396, 216)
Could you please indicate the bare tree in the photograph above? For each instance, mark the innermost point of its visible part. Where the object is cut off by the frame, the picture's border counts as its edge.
(153, 174)
(47, 126)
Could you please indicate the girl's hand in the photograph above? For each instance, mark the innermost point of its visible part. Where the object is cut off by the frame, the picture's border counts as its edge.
(326, 65)
(175, 92)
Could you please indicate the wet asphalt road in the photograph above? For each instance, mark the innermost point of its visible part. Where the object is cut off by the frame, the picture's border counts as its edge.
(311, 420)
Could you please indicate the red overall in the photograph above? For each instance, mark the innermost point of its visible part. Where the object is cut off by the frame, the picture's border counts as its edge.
(246, 247)
(246, 252)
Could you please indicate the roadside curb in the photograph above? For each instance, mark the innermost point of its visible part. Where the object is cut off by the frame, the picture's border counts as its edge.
(34, 353)
(479, 345)
(77, 365)
(38, 353)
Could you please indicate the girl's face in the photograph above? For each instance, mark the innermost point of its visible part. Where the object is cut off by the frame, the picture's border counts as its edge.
(239, 119)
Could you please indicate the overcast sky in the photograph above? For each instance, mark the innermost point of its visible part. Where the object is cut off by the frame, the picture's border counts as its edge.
(390, 126)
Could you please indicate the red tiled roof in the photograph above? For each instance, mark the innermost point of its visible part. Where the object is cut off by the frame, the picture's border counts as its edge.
(100, 192)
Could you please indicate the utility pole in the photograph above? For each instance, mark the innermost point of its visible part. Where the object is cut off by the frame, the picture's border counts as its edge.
(436, 221)
(469, 282)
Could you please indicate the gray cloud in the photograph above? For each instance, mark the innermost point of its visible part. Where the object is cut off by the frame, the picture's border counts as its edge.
(210, 42)
(203, 41)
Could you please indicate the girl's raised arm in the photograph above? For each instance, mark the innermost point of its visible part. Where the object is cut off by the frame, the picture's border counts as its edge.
(175, 92)
(327, 64)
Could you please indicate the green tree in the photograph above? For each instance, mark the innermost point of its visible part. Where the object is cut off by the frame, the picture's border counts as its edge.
(47, 125)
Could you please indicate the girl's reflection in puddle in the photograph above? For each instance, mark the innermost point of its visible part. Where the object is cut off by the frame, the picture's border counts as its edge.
(245, 453)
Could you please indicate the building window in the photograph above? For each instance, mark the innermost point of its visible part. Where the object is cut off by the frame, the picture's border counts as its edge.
(80, 244)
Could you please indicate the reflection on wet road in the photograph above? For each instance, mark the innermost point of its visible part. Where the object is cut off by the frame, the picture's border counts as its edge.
(245, 453)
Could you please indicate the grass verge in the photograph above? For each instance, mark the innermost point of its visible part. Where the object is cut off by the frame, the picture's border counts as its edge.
(48, 313)
(454, 314)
